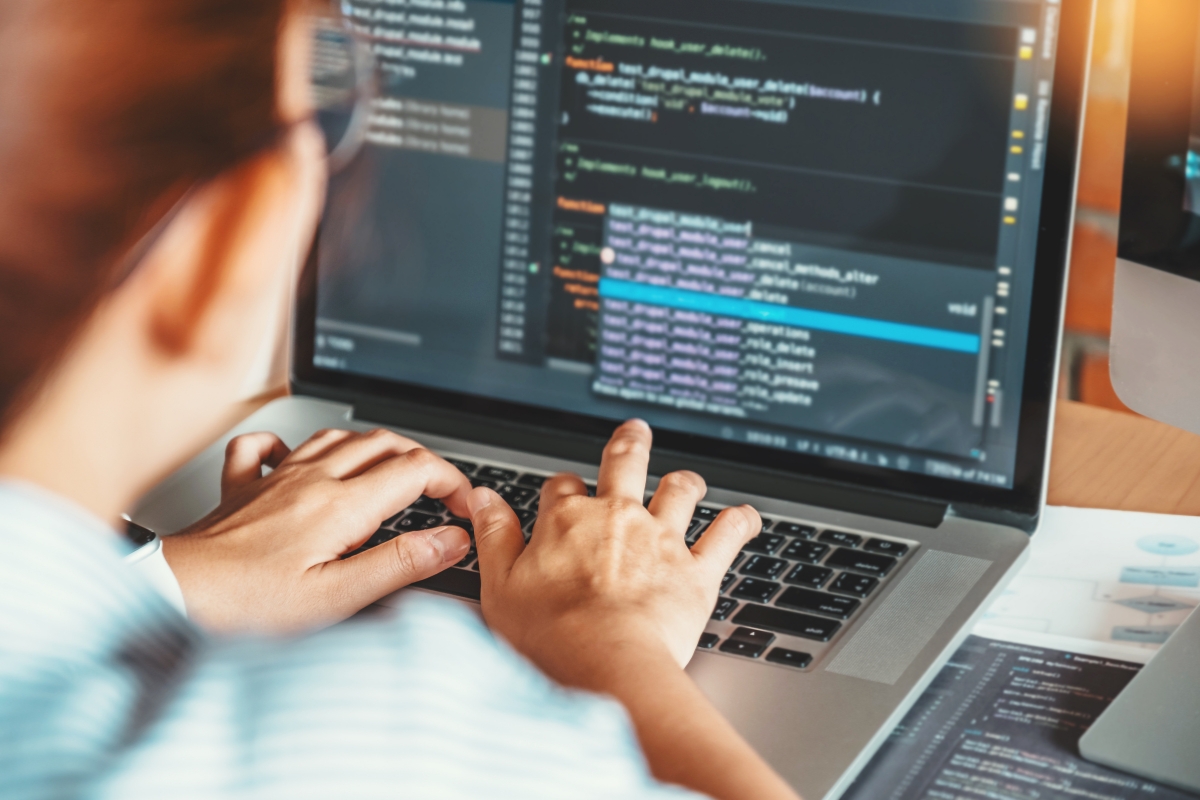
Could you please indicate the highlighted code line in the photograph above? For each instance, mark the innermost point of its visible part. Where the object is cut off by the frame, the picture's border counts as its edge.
(920, 336)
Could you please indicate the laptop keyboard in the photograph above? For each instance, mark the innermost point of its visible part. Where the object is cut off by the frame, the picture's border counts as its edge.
(787, 596)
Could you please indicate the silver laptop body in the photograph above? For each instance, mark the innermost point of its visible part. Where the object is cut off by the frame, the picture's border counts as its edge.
(887, 535)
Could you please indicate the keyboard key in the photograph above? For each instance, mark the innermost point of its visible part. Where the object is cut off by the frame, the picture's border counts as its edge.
(754, 589)
(516, 496)
(458, 582)
(532, 481)
(795, 529)
(465, 467)
(724, 608)
(737, 560)
(817, 602)
(695, 529)
(808, 552)
(788, 622)
(705, 513)
(708, 641)
(477, 482)
(465, 524)
(496, 474)
(764, 567)
(416, 521)
(857, 585)
(808, 575)
(429, 506)
(526, 517)
(390, 521)
(886, 548)
(766, 524)
(752, 636)
(743, 648)
(842, 538)
(765, 543)
(789, 658)
(869, 563)
(727, 581)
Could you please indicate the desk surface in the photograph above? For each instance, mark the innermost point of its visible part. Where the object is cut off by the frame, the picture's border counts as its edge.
(1108, 459)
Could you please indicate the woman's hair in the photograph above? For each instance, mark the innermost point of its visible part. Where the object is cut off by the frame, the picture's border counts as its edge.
(110, 110)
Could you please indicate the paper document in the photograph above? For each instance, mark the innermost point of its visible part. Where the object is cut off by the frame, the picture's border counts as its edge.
(1100, 592)
(1105, 576)
(1002, 721)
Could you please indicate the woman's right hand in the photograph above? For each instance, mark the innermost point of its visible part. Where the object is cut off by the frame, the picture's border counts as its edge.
(607, 597)
(605, 575)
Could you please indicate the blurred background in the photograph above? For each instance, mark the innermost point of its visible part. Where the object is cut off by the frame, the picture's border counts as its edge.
(1090, 292)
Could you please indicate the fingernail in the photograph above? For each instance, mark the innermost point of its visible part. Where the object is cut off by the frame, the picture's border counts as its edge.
(452, 543)
(479, 499)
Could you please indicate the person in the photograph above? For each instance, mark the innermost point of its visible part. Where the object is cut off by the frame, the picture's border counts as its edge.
(189, 120)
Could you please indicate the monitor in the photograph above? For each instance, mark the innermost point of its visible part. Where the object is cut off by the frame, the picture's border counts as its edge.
(1156, 307)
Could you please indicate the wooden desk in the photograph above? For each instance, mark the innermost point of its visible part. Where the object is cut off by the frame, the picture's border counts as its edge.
(1107, 459)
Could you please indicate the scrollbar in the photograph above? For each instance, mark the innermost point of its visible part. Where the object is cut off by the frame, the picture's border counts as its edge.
(979, 415)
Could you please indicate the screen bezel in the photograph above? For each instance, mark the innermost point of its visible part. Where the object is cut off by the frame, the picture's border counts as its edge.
(1021, 501)
(1155, 226)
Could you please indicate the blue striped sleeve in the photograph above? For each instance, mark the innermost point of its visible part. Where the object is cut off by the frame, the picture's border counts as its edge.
(107, 692)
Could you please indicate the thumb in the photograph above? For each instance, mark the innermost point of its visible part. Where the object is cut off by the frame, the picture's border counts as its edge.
(498, 537)
(362, 579)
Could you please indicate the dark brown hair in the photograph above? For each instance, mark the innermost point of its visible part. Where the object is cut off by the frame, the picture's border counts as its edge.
(110, 110)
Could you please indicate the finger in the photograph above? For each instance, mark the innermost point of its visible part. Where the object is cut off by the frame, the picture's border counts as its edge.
(244, 459)
(358, 454)
(320, 443)
(498, 537)
(625, 462)
(397, 482)
(360, 580)
(564, 484)
(725, 537)
(675, 499)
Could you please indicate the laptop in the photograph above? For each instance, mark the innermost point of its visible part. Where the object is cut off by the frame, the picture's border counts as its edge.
(820, 246)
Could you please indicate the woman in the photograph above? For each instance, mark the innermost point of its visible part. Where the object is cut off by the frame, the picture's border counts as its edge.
(119, 362)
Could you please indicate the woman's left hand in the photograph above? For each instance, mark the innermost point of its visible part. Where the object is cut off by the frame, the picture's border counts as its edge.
(268, 559)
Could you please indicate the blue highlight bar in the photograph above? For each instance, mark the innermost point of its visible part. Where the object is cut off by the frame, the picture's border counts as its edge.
(686, 300)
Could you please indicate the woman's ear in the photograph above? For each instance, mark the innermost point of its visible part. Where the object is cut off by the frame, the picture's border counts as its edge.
(211, 276)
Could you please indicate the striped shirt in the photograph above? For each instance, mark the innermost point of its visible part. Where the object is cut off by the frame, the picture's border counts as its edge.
(107, 692)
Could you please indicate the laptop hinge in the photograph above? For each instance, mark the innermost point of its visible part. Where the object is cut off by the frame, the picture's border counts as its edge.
(578, 447)
(997, 516)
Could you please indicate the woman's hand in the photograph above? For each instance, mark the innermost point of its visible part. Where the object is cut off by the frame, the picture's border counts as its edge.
(607, 597)
(607, 571)
(268, 558)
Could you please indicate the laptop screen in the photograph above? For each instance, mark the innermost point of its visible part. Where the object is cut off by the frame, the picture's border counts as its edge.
(805, 227)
